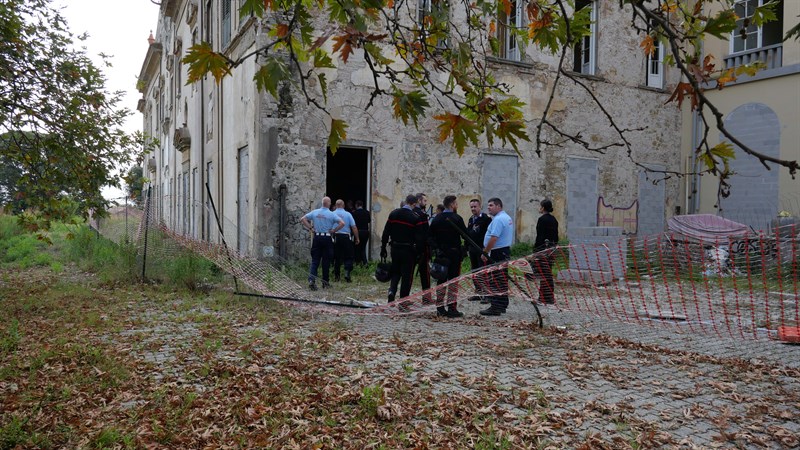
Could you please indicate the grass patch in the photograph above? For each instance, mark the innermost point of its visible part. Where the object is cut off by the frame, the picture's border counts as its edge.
(9, 338)
(96, 254)
(24, 251)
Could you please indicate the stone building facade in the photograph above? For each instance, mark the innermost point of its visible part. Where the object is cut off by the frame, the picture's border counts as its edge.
(266, 162)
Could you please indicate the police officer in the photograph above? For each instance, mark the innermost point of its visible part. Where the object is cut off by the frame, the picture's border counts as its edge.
(445, 241)
(404, 232)
(323, 223)
(363, 219)
(343, 248)
(476, 229)
(497, 249)
(424, 252)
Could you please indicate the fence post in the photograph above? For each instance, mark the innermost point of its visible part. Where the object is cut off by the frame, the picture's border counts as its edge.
(146, 225)
(126, 220)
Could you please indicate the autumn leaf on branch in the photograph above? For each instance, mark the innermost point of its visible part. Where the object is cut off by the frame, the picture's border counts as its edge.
(343, 45)
(409, 105)
(270, 75)
(337, 135)
(202, 60)
(726, 77)
(722, 152)
(459, 128)
(682, 90)
(722, 24)
(648, 45)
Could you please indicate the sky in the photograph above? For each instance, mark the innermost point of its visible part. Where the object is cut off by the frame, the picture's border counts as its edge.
(118, 28)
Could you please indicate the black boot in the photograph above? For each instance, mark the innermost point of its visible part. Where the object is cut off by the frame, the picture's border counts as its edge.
(452, 312)
(441, 312)
(347, 276)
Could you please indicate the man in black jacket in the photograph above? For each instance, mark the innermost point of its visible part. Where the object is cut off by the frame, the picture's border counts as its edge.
(423, 251)
(404, 231)
(363, 219)
(476, 229)
(445, 241)
(546, 237)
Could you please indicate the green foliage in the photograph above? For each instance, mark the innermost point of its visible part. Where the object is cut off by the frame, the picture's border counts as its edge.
(61, 129)
(189, 271)
(13, 434)
(765, 13)
(9, 337)
(96, 254)
(489, 440)
(202, 60)
(338, 134)
(371, 398)
(520, 249)
(134, 183)
(24, 250)
(112, 438)
(9, 227)
(409, 105)
(722, 24)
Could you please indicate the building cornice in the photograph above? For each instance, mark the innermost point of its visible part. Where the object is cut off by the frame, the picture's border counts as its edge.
(169, 8)
(152, 61)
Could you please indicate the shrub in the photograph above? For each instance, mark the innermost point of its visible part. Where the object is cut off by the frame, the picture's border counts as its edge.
(9, 227)
(189, 271)
(24, 250)
(521, 249)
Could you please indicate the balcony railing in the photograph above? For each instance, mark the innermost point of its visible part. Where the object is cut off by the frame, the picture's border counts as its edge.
(771, 55)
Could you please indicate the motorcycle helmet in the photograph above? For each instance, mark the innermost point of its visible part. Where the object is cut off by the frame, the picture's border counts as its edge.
(383, 272)
(439, 268)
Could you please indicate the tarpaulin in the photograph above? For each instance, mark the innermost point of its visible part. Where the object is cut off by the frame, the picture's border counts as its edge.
(707, 227)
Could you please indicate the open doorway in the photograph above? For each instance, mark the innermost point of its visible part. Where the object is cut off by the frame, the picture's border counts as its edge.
(348, 175)
(348, 178)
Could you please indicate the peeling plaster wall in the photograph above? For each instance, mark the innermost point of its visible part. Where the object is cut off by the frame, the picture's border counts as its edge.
(406, 160)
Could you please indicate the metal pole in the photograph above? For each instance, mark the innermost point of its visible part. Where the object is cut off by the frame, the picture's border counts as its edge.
(302, 300)
(146, 225)
(126, 219)
(222, 236)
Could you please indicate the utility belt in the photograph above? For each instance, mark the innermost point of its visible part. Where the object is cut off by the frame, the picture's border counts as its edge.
(401, 244)
(497, 251)
(342, 236)
(322, 234)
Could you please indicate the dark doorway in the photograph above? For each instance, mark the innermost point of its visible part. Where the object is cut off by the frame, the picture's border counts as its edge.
(348, 175)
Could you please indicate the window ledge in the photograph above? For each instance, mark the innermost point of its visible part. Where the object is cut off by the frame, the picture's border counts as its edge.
(645, 87)
(586, 75)
(509, 62)
(244, 27)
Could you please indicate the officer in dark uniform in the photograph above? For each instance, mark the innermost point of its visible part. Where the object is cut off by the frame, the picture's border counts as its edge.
(546, 237)
(424, 252)
(363, 219)
(445, 242)
(404, 231)
(476, 229)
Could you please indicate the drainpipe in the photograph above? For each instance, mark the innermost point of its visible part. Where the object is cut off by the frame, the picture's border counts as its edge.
(282, 221)
(203, 163)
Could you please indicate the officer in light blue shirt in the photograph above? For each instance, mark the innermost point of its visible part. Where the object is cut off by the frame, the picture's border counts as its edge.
(323, 223)
(497, 249)
(343, 246)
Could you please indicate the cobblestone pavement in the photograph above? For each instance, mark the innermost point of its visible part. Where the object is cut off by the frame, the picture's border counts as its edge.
(615, 380)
